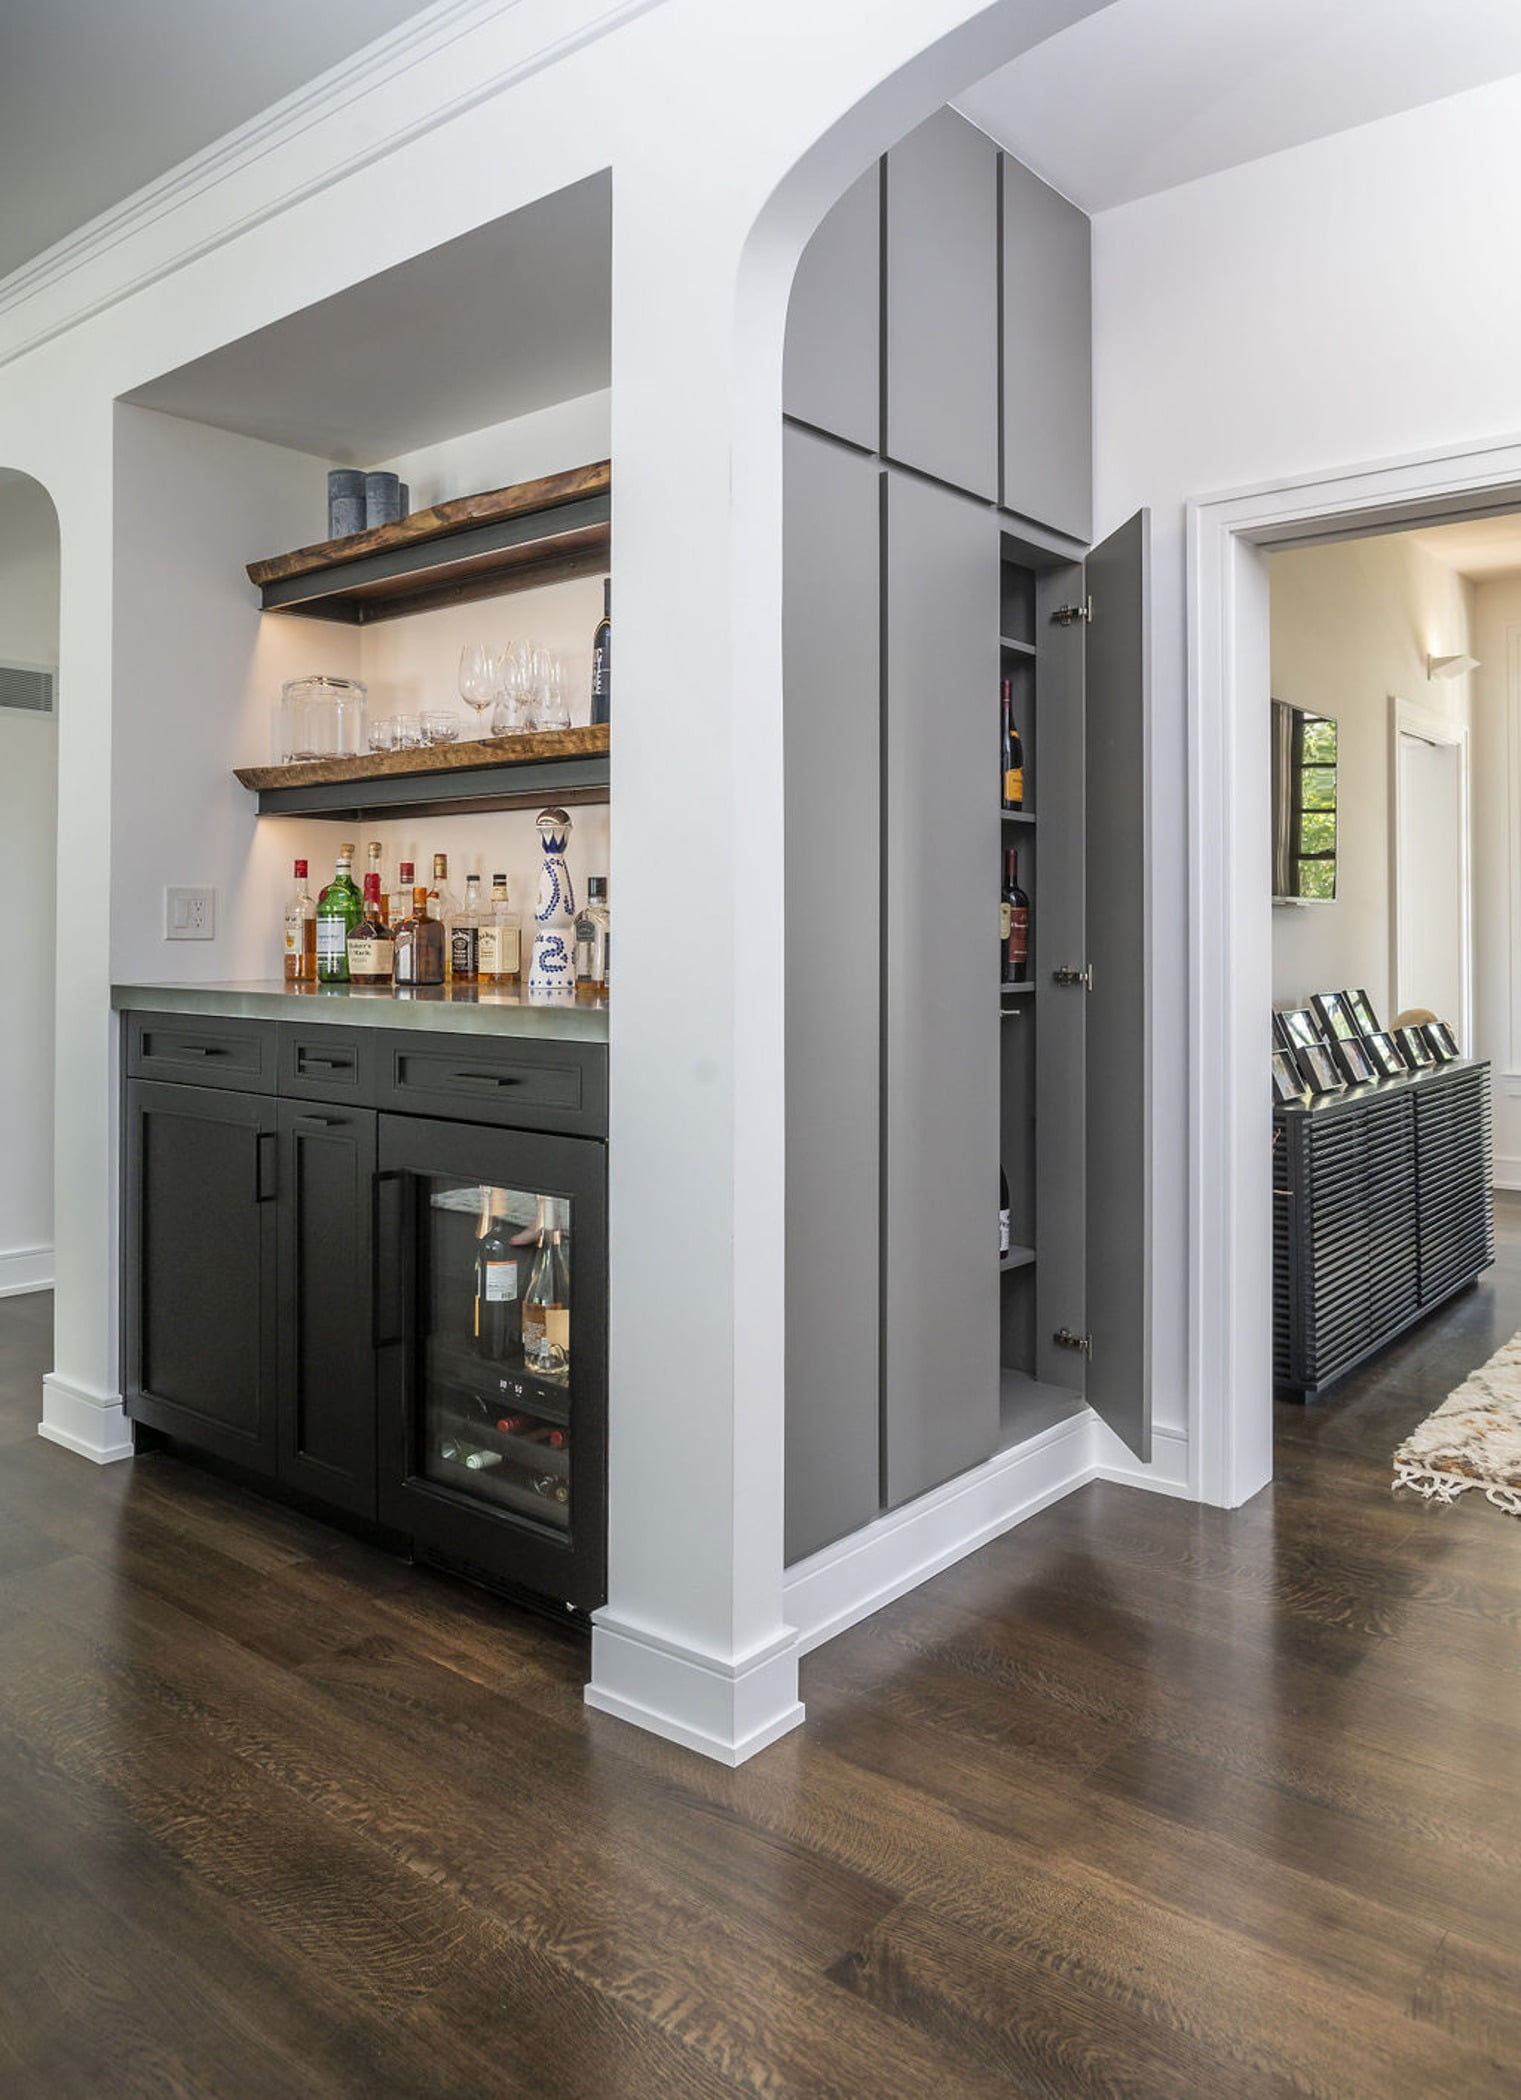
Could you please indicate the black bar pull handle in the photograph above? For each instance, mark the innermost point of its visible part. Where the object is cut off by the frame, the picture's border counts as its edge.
(314, 1122)
(200, 1049)
(389, 1280)
(487, 1079)
(266, 1165)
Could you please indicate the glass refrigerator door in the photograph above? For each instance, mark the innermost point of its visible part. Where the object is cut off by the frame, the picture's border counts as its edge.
(496, 1420)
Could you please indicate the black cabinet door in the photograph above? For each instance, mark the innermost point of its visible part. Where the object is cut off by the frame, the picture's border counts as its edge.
(199, 1242)
(493, 1416)
(326, 1297)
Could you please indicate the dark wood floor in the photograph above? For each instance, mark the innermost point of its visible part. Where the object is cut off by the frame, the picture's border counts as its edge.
(1142, 1800)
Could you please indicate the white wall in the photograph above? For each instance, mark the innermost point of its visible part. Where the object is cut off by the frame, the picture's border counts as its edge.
(28, 840)
(1497, 857)
(1352, 624)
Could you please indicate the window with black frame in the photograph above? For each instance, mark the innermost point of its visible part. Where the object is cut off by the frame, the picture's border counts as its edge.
(1304, 806)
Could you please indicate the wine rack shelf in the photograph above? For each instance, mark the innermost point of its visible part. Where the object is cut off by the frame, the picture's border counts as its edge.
(1017, 816)
(496, 772)
(1017, 1258)
(1016, 648)
(512, 539)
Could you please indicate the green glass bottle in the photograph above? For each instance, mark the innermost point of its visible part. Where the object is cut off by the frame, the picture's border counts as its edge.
(339, 910)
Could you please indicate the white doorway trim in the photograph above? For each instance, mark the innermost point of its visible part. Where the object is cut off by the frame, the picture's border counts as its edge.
(1229, 931)
(1409, 718)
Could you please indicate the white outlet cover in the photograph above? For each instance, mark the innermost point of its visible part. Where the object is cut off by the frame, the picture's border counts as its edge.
(190, 914)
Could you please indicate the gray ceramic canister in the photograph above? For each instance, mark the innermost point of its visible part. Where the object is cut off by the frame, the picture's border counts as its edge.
(345, 502)
(382, 499)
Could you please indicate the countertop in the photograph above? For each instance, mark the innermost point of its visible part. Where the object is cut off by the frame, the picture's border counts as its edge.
(455, 1009)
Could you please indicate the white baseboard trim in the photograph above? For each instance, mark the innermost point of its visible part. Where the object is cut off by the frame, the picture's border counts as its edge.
(1166, 1475)
(842, 1584)
(26, 1269)
(724, 1708)
(94, 1425)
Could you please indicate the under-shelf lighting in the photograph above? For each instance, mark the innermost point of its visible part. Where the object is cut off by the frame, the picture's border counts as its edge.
(1450, 666)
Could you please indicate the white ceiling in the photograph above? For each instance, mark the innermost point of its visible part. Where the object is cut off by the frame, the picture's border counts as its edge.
(99, 97)
(1480, 548)
(1146, 94)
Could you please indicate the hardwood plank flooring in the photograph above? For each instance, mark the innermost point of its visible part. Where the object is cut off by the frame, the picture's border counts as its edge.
(1143, 1800)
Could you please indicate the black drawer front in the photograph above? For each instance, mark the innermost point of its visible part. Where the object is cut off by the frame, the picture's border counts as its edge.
(330, 1064)
(524, 1085)
(202, 1050)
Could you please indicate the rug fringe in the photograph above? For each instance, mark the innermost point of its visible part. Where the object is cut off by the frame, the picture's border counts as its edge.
(1445, 1488)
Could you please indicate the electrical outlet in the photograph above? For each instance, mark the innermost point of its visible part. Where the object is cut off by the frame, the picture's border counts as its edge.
(190, 915)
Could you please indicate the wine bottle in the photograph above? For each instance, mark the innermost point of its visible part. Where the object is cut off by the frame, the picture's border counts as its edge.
(602, 658)
(496, 1287)
(1013, 753)
(1014, 924)
(371, 949)
(546, 1308)
(338, 912)
(301, 932)
(1005, 1223)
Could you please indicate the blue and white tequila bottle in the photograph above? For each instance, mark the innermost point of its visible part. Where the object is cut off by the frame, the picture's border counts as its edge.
(553, 967)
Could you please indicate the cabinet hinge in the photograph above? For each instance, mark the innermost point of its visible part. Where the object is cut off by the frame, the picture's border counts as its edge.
(1064, 1338)
(1065, 615)
(1084, 977)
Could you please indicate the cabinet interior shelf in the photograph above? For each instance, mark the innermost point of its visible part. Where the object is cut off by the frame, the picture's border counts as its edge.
(495, 772)
(1017, 648)
(1017, 816)
(1016, 1258)
(1017, 991)
(512, 539)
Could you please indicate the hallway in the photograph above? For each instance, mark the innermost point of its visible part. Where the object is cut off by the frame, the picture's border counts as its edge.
(1143, 1799)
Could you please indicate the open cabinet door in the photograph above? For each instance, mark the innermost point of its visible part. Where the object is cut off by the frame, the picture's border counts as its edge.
(1118, 1076)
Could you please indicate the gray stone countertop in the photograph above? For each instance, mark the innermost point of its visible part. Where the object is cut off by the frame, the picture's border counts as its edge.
(454, 1009)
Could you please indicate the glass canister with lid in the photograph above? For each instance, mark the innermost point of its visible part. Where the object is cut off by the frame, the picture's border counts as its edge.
(319, 717)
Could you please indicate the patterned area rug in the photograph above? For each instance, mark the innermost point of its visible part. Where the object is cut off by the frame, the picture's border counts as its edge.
(1473, 1440)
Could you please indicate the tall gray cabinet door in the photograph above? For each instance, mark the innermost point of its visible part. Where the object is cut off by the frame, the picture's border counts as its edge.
(1047, 355)
(832, 365)
(832, 737)
(942, 304)
(941, 1073)
(1119, 1092)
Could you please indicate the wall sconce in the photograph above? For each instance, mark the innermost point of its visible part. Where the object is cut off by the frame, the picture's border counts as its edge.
(1450, 666)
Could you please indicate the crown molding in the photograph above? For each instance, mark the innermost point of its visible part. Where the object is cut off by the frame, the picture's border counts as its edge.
(412, 44)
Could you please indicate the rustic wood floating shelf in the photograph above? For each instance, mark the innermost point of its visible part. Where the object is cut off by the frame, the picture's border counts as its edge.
(513, 539)
(497, 772)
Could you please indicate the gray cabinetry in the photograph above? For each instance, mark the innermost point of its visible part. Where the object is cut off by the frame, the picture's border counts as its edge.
(1047, 355)
(941, 304)
(831, 376)
(834, 862)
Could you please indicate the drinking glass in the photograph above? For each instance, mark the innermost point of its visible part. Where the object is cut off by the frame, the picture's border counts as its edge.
(553, 706)
(406, 733)
(478, 679)
(440, 725)
(379, 732)
(511, 712)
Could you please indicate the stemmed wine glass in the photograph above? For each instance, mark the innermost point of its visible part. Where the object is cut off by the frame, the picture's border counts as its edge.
(478, 679)
(511, 690)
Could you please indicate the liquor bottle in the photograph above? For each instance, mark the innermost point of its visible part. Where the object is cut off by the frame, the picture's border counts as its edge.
(496, 1288)
(419, 944)
(591, 938)
(500, 946)
(301, 932)
(1005, 1220)
(399, 905)
(442, 902)
(546, 1308)
(1013, 753)
(552, 967)
(338, 911)
(372, 952)
(1014, 925)
(465, 935)
(372, 855)
(602, 658)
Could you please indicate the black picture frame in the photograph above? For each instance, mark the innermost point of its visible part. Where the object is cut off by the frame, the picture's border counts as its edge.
(1360, 1006)
(1351, 1055)
(1335, 1020)
(1443, 1042)
(1322, 1074)
(1288, 1080)
(1297, 1027)
(1385, 1053)
(1419, 1054)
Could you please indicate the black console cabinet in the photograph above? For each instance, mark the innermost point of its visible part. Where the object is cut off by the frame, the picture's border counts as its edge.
(299, 1234)
(1381, 1209)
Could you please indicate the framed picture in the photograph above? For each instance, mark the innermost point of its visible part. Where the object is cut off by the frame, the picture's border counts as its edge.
(1418, 1052)
(1385, 1053)
(1288, 1085)
(1442, 1040)
(1297, 1027)
(1360, 1007)
(1334, 1017)
(1320, 1070)
(1352, 1056)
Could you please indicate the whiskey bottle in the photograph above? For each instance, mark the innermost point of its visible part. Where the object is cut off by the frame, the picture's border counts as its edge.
(465, 935)
(496, 1288)
(301, 932)
(372, 951)
(338, 912)
(546, 1308)
(442, 902)
(500, 944)
(399, 906)
(419, 944)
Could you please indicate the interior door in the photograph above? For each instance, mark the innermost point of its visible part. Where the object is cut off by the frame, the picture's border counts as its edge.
(1118, 1092)
(1430, 877)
